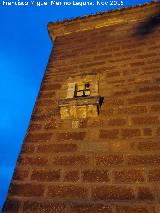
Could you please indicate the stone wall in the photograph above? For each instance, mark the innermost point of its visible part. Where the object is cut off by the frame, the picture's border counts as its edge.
(110, 162)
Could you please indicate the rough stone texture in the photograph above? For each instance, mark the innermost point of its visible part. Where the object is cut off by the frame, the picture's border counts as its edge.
(95, 176)
(92, 208)
(26, 190)
(109, 163)
(44, 207)
(111, 192)
(71, 176)
(70, 192)
(129, 176)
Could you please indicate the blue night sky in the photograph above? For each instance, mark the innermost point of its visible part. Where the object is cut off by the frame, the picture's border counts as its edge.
(24, 50)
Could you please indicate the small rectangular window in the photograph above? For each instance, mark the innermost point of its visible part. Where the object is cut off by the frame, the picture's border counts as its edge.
(82, 90)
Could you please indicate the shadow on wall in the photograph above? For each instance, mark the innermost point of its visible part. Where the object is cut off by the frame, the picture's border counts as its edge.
(150, 24)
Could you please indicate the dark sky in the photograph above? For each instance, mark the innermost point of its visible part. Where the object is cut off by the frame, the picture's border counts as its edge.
(24, 50)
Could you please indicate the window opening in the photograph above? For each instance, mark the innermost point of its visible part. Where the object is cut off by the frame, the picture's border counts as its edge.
(82, 90)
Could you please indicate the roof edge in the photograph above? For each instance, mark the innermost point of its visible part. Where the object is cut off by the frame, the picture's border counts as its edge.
(101, 19)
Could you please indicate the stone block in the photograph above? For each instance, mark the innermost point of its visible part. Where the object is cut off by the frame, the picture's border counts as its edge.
(81, 111)
(70, 91)
(73, 112)
(64, 112)
(92, 111)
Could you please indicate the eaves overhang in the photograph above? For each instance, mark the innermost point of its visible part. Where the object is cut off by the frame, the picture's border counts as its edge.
(104, 19)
